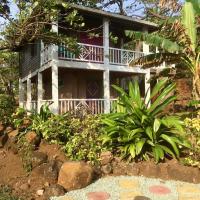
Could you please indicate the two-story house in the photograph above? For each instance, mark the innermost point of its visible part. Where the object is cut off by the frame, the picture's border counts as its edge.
(67, 81)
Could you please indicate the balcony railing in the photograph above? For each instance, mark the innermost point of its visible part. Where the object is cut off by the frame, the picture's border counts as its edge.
(90, 53)
(123, 56)
(86, 52)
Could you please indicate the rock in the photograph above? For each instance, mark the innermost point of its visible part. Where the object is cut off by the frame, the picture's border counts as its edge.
(32, 138)
(75, 175)
(54, 191)
(106, 157)
(181, 173)
(24, 186)
(9, 129)
(107, 169)
(13, 133)
(40, 192)
(38, 158)
(3, 140)
(2, 128)
(12, 146)
(47, 170)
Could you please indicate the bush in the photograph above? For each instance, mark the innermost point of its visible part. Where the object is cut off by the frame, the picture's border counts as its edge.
(140, 130)
(7, 107)
(84, 142)
(192, 126)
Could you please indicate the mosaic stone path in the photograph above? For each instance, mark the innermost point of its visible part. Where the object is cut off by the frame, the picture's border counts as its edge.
(134, 188)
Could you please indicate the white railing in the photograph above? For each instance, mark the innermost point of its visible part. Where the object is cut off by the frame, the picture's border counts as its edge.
(92, 106)
(34, 105)
(86, 52)
(46, 54)
(123, 56)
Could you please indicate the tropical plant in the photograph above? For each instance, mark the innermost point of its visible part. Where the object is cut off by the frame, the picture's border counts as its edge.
(141, 129)
(84, 141)
(7, 107)
(178, 39)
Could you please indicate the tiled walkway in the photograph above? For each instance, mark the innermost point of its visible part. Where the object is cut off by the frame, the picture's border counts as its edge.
(135, 188)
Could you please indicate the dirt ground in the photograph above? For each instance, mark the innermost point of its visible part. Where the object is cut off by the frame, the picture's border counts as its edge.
(26, 184)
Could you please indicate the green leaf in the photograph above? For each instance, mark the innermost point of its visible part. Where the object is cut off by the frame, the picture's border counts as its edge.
(156, 125)
(149, 132)
(132, 150)
(139, 146)
(172, 142)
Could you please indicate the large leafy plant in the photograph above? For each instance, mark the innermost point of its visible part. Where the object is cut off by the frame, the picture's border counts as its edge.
(141, 129)
(179, 41)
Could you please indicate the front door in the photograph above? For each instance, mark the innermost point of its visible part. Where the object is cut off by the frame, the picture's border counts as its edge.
(93, 89)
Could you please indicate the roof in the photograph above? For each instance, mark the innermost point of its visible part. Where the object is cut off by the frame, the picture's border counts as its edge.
(114, 16)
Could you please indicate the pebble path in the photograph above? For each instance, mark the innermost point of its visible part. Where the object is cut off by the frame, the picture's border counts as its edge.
(134, 188)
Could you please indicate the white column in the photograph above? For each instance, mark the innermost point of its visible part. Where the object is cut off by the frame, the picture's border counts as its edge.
(106, 40)
(147, 85)
(39, 91)
(21, 93)
(55, 98)
(106, 86)
(28, 103)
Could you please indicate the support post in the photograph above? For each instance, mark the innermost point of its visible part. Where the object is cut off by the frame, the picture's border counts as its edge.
(21, 93)
(55, 98)
(106, 86)
(147, 85)
(39, 91)
(106, 40)
(28, 103)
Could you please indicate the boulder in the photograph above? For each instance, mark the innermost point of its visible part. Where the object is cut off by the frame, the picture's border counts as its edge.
(54, 191)
(48, 171)
(3, 140)
(106, 157)
(13, 134)
(75, 175)
(2, 128)
(9, 129)
(38, 158)
(107, 169)
(32, 138)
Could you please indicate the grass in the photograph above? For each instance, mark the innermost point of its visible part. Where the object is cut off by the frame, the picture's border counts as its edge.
(6, 193)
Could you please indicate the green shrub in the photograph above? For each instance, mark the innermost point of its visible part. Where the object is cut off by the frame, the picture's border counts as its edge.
(140, 130)
(7, 107)
(192, 126)
(84, 142)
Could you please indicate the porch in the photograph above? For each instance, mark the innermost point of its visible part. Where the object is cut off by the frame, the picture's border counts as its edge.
(78, 90)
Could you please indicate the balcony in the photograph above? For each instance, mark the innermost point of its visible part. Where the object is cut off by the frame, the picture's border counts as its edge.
(89, 53)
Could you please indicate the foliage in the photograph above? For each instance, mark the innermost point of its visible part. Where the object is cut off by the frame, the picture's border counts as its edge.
(179, 43)
(84, 142)
(141, 130)
(7, 107)
(6, 193)
(25, 151)
(192, 126)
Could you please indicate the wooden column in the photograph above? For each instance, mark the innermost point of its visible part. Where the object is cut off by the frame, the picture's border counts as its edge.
(106, 40)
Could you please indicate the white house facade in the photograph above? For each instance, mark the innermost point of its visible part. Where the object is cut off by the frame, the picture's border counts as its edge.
(66, 81)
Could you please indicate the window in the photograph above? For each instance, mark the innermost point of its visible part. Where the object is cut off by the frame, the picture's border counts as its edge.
(33, 47)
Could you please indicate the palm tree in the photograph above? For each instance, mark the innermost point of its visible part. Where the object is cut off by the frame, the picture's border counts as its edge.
(178, 39)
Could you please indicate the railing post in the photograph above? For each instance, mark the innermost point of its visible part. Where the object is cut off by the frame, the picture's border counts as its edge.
(39, 91)
(28, 103)
(106, 84)
(21, 93)
(106, 40)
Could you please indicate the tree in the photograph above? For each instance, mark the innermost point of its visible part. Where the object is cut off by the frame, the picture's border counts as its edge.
(179, 42)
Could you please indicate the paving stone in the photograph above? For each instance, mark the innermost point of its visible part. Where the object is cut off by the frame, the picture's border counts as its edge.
(129, 195)
(65, 198)
(129, 184)
(159, 190)
(187, 188)
(98, 196)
